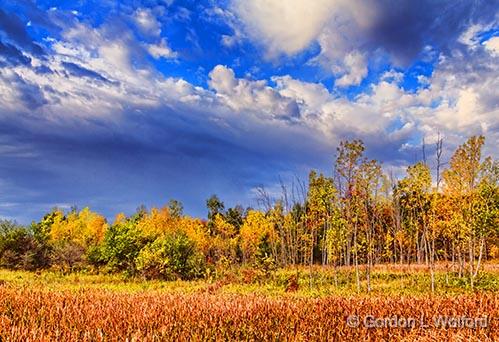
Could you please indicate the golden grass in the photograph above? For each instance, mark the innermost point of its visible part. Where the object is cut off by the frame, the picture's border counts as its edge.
(83, 307)
(102, 315)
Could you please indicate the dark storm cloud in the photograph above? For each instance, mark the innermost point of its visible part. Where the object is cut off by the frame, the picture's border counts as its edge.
(12, 55)
(15, 30)
(36, 15)
(404, 27)
(79, 71)
(42, 69)
(31, 95)
(183, 143)
(145, 160)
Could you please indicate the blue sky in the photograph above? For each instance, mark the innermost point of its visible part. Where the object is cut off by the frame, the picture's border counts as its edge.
(113, 104)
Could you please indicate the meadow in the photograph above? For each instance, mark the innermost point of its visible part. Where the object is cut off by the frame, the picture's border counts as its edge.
(359, 256)
(242, 304)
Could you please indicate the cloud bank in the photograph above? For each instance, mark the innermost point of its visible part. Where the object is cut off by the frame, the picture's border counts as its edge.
(109, 114)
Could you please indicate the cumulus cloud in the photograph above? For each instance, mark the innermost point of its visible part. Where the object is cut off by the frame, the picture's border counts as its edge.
(100, 109)
(147, 22)
(256, 96)
(350, 31)
(355, 69)
(461, 98)
(311, 108)
(161, 50)
(369, 115)
(456, 101)
(284, 26)
(92, 117)
(492, 46)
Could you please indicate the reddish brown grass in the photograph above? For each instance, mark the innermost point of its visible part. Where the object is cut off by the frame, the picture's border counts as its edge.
(98, 315)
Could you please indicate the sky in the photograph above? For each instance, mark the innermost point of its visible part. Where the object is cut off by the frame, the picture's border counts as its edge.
(113, 104)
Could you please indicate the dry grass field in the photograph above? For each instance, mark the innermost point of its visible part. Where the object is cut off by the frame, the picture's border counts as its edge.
(54, 307)
(99, 315)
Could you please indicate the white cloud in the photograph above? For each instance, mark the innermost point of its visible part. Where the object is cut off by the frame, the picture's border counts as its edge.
(469, 36)
(161, 50)
(352, 32)
(355, 70)
(492, 46)
(289, 27)
(147, 22)
(310, 96)
(456, 102)
(114, 59)
(284, 26)
(222, 79)
(459, 100)
(248, 95)
(216, 13)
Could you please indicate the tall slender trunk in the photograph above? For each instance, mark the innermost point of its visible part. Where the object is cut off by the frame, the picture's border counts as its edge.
(426, 249)
(311, 258)
(356, 256)
(336, 273)
(482, 244)
(453, 256)
(432, 265)
(325, 242)
(418, 248)
(349, 252)
(460, 261)
(401, 253)
(472, 260)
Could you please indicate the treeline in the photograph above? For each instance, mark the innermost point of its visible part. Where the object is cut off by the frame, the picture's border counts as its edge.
(358, 216)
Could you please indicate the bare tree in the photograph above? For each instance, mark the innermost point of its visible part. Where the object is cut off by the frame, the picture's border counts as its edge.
(439, 149)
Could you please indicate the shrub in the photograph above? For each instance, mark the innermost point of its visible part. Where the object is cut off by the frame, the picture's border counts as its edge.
(122, 244)
(18, 248)
(68, 256)
(170, 257)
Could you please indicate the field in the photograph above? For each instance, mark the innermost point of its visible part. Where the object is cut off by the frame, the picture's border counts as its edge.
(244, 305)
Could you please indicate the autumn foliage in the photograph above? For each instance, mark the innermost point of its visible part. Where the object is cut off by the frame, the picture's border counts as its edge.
(357, 217)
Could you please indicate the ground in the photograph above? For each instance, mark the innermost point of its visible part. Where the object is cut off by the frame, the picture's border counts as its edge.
(247, 304)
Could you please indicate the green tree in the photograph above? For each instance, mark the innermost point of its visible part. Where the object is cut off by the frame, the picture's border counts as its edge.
(368, 187)
(122, 243)
(17, 246)
(235, 216)
(466, 184)
(322, 209)
(170, 257)
(176, 208)
(349, 157)
(215, 208)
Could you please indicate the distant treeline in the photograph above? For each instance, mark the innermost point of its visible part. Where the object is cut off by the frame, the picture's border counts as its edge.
(356, 216)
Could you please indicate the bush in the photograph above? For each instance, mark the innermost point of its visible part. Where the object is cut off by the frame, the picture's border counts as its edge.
(170, 257)
(122, 244)
(18, 248)
(68, 256)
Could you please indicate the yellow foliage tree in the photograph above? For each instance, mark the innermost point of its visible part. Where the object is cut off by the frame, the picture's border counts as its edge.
(254, 229)
(85, 228)
(223, 240)
(196, 230)
(158, 222)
